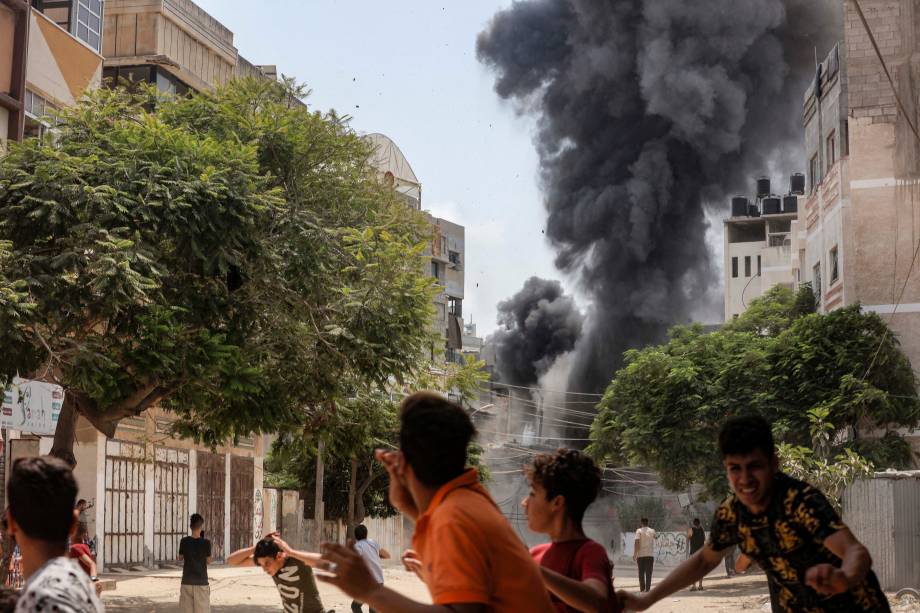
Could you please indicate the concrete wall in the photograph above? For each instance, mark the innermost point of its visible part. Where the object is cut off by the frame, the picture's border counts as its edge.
(60, 67)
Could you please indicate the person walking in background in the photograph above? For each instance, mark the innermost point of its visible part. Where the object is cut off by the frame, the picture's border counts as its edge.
(812, 560)
(465, 550)
(372, 554)
(697, 539)
(41, 517)
(644, 554)
(82, 507)
(195, 553)
(575, 569)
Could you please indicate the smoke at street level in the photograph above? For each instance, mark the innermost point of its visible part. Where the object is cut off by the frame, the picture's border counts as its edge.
(536, 326)
(647, 112)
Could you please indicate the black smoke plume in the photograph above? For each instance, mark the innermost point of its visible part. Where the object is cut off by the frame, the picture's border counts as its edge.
(536, 326)
(648, 111)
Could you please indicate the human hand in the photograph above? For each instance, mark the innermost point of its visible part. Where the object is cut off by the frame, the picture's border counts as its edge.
(346, 569)
(412, 562)
(276, 536)
(632, 602)
(827, 579)
(399, 494)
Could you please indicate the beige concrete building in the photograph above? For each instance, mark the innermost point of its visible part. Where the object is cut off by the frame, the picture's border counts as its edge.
(174, 44)
(446, 252)
(759, 244)
(861, 223)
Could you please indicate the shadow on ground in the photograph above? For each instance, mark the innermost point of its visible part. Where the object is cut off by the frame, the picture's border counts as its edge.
(147, 605)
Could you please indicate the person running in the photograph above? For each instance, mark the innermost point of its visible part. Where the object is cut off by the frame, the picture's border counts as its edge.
(576, 570)
(697, 539)
(195, 553)
(41, 517)
(812, 560)
(291, 570)
(81, 552)
(463, 547)
(372, 554)
(644, 554)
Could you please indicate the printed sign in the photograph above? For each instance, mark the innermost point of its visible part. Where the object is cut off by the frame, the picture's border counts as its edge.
(31, 406)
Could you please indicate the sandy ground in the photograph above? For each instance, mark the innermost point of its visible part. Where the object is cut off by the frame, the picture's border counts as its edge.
(239, 590)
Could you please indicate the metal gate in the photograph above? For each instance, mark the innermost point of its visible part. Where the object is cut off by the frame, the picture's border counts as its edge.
(211, 496)
(170, 510)
(241, 492)
(125, 472)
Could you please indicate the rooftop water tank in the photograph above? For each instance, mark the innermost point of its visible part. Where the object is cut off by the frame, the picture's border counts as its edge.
(797, 184)
(763, 187)
(790, 204)
(739, 206)
(771, 205)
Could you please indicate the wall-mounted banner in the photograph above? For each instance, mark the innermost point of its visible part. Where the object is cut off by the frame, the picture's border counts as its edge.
(31, 406)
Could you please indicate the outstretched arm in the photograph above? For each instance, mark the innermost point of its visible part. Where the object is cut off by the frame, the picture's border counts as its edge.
(856, 563)
(587, 595)
(309, 558)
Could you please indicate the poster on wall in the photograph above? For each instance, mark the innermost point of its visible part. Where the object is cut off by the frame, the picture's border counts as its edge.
(31, 406)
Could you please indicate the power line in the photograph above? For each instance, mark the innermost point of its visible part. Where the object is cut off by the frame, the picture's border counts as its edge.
(540, 389)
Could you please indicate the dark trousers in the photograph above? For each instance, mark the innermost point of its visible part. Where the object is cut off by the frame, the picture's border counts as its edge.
(356, 607)
(646, 563)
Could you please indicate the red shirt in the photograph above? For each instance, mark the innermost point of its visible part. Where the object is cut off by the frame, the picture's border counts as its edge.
(580, 559)
(77, 551)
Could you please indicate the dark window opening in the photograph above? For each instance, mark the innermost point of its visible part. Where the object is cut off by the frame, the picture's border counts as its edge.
(747, 266)
(734, 268)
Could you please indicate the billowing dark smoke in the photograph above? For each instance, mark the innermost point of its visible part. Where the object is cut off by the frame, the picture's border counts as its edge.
(536, 326)
(649, 111)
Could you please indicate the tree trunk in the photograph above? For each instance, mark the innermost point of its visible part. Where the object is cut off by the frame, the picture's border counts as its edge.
(65, 431)
(360, 510)
(350, 522)
(318, 506)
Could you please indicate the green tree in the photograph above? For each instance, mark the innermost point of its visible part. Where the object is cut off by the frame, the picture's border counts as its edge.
(665, 406)
(229, 256)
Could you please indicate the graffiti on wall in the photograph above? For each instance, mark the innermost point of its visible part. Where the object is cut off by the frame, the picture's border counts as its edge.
(272, 510)
(671, 548)
(257, 525)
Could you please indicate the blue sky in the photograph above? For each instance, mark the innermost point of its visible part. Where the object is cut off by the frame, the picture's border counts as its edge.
(408, 69)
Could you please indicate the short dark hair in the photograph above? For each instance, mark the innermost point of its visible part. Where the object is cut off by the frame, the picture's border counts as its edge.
(360, 532)
(696, 521)
(265, 548)
(195, 521)
(644, 521)
(745, 434)
(41, 494)
(81, 501)
(570, 474)
(434, 434)
(8, 599)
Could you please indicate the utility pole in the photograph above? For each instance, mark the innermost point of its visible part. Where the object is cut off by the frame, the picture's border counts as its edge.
(319, 507)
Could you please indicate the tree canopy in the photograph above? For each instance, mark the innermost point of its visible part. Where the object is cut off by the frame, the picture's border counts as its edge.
(779, 359)
(230, 256)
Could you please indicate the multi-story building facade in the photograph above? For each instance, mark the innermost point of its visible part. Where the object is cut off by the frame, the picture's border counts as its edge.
(446, 252)
(759, 247)
(143, 482)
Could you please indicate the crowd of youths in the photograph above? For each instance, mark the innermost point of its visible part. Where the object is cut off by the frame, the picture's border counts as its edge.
(464, 549)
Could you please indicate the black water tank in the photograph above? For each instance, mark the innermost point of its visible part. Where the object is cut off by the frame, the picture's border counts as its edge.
(739, 206)
(797, 184)
(790, 204)
(763, 187)
(753, 211)
(771, 206)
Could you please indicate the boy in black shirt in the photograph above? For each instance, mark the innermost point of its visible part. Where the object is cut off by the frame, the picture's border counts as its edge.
(195, 553)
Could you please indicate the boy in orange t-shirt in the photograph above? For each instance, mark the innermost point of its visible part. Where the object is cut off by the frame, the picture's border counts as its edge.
(464, 549)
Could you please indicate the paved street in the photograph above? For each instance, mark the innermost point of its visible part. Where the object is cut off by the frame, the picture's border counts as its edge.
(250, 590)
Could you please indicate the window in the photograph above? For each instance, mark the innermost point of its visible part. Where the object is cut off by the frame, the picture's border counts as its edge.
(734, 268)
(831, 149)
(832, 262)
(89, 22)
(747, 266)
(816, 280)
(455, 306)
(758, 265)
(813, 171)
(454, 258)
(436, 270)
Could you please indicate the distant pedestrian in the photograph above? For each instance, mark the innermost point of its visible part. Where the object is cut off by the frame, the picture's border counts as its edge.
(644, 554)
(195, 553)
(812, 560)
(697, 538)
(575, 569)
(372, 554)
(41, 516)
(291, 570)
(465, 550)
(81, 552)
